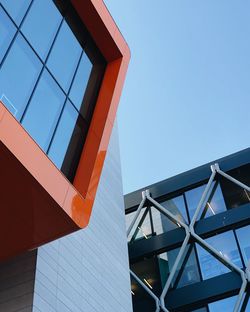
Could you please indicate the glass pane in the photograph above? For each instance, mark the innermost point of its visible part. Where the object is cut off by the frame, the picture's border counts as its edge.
(187, 272)
(7, 31)
(148, 271)
(226, 245)
(63, 135)
(161, 223)
(243, 235)
(16, 8)
(64, 56)
(81, 80)
(235, 196)
(223, 305)
(39, 33)
(193, 197)
(43, 111)
(215, 203)
(18, 75)
(177, 207)
(141, 300)
(142, 228)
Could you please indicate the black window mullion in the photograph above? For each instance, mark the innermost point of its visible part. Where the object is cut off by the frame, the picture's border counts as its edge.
(17, 29)
(64, 104)
(38, 79)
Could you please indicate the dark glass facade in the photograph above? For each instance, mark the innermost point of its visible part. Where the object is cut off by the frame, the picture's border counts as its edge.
(201, 282)
(50, 73)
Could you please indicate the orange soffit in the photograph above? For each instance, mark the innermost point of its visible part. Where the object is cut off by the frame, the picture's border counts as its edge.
(38, 204)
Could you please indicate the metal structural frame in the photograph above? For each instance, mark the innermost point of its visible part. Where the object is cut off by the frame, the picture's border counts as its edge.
(191, 234)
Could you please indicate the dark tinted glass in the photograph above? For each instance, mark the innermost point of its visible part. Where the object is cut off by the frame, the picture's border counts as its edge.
(68, 141)
(81, 80)
(16, 8)
(142, 228)
(225, 244)
(41, 24)
(187, 272)
(18, 76)
(63, 135)
(214, 203)
(43, 111)
(7, 31)
(65, 56)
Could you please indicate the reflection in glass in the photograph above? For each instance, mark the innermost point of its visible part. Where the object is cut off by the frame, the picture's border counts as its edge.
(226, 245)
(64, 56)
(142, 301)
(226, 305)
(43, 111)
(142, 228)
(68, 139)
(80, 81)
(39, 33)
(243, 235)
(7, 31)
(193, 197)
(18, 76)
(161, 223)
(236, 196)
(16, 8)
(214, 202)
(187, 272)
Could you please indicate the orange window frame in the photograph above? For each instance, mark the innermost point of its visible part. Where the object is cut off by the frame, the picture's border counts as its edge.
(42, 204)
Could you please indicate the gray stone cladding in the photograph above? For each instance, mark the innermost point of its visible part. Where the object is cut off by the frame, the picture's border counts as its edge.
(89, 270)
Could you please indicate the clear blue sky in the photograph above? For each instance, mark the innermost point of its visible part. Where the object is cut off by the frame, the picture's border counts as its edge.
(186, 100)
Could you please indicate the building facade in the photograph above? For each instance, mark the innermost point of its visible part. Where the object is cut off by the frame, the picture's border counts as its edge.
(189, 239)
(63, 241)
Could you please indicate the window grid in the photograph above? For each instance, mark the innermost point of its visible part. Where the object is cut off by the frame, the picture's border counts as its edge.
(234, 233)
(18, 31)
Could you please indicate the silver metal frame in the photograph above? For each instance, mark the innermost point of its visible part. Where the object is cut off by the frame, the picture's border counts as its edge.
(190, 232)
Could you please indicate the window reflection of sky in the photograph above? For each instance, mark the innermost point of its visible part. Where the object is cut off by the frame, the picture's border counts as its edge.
(38, 100)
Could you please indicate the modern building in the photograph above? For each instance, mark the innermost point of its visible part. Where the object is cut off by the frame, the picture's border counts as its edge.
(189, 239)
(62, 226)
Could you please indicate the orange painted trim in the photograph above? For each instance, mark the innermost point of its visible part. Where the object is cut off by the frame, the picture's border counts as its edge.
(27, 152)
(42, 204)
(117, 54)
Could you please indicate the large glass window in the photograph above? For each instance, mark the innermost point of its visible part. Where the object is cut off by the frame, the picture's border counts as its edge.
(188, 271)
(162, 223)
(41, 24)
(65, 56)
(214, 202)
(18, 75)
(16, 8)
(68, 139)
(49, 75)
(225, 244)
(243, 235)
(235, 196)
(81, 80)
(7, 31)
(43, 111)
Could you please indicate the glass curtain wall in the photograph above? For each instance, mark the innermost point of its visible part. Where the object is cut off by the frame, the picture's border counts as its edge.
(197, 264)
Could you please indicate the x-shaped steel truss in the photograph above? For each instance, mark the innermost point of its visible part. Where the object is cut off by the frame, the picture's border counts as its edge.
(190, 234)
